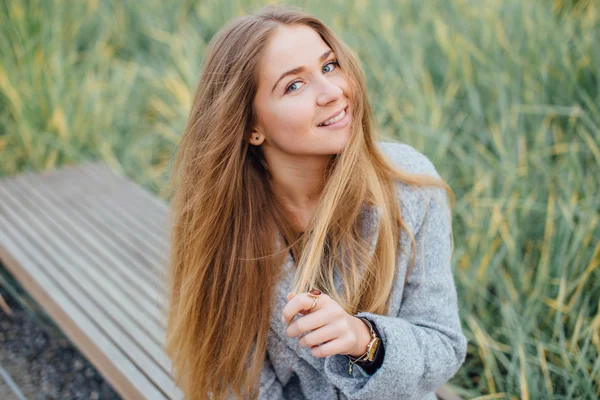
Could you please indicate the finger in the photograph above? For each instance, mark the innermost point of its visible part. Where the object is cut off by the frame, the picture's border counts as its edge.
(308, 322)
(320, 335)
(301, 302)
(284, 319)
(333, 347)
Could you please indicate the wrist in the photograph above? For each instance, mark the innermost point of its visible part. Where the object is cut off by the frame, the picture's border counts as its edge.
(363, 337)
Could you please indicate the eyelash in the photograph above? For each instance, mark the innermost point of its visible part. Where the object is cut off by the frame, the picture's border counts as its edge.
(335, 62)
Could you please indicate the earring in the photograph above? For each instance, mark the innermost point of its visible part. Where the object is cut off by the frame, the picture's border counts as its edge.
(255, 137)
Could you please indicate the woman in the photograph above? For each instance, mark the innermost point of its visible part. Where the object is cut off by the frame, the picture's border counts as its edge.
(281, 187)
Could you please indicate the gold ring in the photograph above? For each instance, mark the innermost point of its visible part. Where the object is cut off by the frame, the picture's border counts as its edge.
(314, 293)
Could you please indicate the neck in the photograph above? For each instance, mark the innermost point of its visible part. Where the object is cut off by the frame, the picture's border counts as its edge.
(299, 183)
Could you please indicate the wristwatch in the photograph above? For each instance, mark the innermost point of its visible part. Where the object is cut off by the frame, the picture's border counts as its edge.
(372, 347)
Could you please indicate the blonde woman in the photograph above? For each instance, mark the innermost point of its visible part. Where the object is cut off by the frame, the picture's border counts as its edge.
(309, 260)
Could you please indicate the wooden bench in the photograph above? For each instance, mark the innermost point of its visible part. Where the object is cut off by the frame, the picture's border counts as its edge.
(90, 247)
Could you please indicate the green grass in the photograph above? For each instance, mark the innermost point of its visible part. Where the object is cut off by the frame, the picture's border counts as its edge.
(502, 95)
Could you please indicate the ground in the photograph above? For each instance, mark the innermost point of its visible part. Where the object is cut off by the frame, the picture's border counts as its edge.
(42, 361)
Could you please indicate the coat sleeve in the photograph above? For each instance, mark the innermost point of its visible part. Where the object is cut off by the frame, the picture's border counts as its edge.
(424, 343)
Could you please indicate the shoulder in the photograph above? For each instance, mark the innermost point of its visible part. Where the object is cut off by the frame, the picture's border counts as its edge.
(414, 200)
(408, 158)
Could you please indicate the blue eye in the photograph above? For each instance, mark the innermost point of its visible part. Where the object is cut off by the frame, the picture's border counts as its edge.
(292, 84)
(333, 63)
(287, 90)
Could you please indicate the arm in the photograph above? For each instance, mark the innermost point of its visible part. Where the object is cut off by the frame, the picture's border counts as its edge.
(424, 344)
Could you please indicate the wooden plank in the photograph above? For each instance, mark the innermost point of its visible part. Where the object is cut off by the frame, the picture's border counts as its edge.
(138, 227)
(154, 210)
(138, 215)
(105, 311)
(135, 189)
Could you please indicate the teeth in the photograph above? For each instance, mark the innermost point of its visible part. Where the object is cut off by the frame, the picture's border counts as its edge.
(334, 119)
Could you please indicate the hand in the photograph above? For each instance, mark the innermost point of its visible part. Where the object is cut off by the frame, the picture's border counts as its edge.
(332, 329)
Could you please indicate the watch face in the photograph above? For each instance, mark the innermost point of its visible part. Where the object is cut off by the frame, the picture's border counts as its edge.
(373, 349)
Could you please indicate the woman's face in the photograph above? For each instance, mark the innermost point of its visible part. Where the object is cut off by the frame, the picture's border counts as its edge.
(291, 105)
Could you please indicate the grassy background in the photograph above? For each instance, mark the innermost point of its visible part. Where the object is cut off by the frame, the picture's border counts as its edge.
(502, 95)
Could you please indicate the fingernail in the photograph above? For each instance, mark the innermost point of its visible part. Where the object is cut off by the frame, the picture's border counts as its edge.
(282, 318)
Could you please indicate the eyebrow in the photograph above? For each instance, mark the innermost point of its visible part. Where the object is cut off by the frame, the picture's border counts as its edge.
(297, 70)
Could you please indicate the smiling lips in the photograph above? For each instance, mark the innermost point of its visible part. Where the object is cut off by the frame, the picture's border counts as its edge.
(338, 116)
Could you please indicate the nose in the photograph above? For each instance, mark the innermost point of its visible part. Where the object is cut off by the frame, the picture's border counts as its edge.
(328, 91)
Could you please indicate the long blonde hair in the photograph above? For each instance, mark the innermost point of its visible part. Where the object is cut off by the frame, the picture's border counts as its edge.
(225, 262)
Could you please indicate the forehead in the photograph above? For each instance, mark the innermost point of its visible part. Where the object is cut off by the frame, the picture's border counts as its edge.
(290, 47)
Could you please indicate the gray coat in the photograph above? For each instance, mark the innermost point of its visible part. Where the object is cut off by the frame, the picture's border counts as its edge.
(421, 332)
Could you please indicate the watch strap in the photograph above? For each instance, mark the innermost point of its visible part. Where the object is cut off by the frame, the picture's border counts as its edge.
(374, 334)
(371, 367)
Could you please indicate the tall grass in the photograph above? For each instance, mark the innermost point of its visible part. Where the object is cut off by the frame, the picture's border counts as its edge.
(502, 95)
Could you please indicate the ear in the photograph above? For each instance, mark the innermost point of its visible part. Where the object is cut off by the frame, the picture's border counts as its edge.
(256, 138)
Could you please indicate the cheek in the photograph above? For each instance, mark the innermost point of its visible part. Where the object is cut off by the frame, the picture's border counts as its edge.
(342, 82)
(295, 117)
